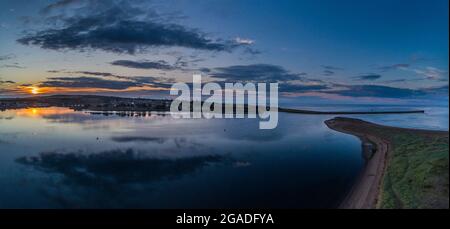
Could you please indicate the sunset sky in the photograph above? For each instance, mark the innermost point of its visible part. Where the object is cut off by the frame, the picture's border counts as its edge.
(384, 51)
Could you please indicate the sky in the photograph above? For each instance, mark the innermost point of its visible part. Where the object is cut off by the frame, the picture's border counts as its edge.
(385, 51)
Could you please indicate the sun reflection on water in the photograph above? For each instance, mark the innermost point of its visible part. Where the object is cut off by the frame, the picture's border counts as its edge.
(42, 111)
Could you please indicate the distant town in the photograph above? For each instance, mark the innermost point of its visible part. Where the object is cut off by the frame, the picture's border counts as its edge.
(87, 102)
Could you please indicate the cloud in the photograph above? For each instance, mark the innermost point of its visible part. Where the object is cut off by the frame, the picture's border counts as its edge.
(252, 51)
(418, 58)
(244, 41)
(7, 57)
(3, 25)
(159, 65)
(433, 73)
(120, 27)
(7, 82)
(328, 73)
(378, 91)
(87, 82)
(58, 5)
(368, 77)
(204, 70)
(395, 81)
(394, 67)
(116, 167)
(106, 81)
(105, 74)
(331, 68)
(55, 71)
(254, 72)
(91, 73)
(362, 91)
(14, 65)
(11, 91)
(439, 90)
(288, 87)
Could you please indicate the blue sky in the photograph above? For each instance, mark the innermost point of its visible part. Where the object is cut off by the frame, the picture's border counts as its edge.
(385, 51)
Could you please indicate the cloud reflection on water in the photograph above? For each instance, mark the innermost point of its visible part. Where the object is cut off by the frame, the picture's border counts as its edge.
(116, 166)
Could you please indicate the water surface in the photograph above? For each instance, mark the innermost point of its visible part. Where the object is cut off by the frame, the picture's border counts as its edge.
(59, 158)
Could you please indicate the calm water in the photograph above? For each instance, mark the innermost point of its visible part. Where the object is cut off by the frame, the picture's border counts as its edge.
(58, 158)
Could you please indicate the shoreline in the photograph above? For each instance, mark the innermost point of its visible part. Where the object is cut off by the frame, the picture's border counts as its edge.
(366, 192)
(110, 103)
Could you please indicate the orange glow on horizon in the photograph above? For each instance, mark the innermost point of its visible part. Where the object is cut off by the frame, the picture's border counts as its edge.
(34, 90)
(42, 111)
(62, 90)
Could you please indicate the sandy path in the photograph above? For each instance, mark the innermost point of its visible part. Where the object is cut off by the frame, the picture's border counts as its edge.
(365, 192)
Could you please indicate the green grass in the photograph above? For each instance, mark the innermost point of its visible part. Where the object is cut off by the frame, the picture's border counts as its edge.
(417, 172)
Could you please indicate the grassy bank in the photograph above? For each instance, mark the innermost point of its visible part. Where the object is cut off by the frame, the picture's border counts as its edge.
(417, 171)
(416, 168)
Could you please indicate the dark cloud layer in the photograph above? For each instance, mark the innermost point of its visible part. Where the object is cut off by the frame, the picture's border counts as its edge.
(118, 27)
(254, 72)
(287, 87)
(105, 74)
(158, 65)
(91, 73)
(87, 82)
(103, 80)
(378, 91)
(7, 82)
(368, 77)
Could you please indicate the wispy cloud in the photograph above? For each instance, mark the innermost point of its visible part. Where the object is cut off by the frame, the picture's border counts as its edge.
(87, 82)
(13, 65)
(332, 68)
(329, 70)
(290, 87)
(328, 73)
(254, 72)
(432, 73)
(58, 5)
(158, 65)
(394, 67)
(7, 57)
(378, 91)
(244, 41)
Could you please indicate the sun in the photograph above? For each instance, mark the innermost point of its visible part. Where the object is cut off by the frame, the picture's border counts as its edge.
(34, 90)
